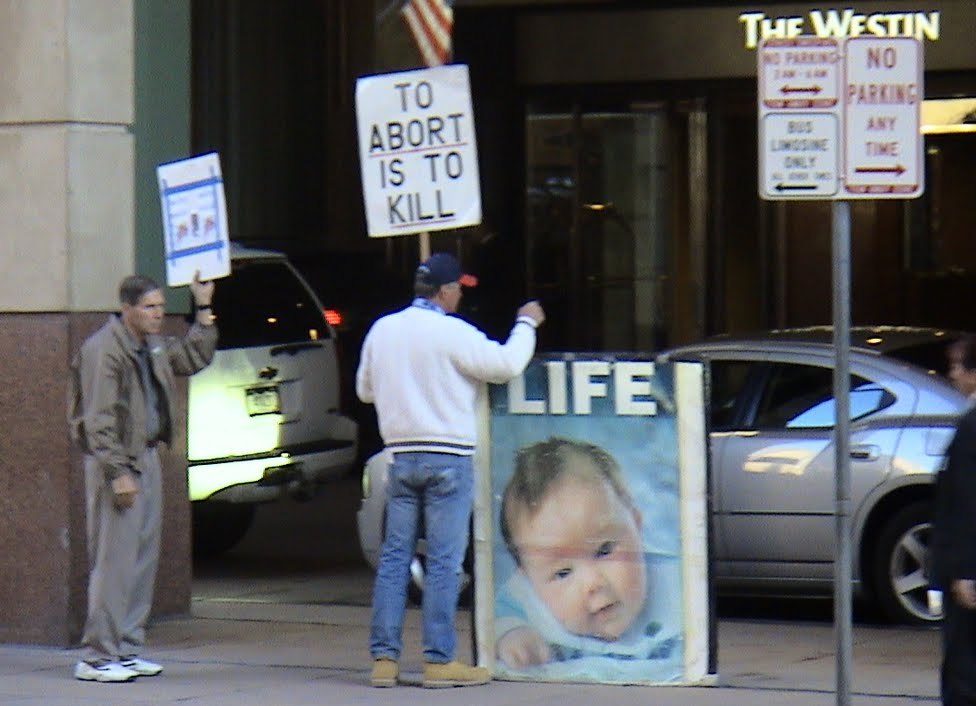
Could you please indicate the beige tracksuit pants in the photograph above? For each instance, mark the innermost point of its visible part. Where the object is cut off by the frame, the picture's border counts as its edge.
(123, 555)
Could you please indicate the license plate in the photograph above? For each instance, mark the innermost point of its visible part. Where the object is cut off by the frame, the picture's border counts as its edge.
(263, 400)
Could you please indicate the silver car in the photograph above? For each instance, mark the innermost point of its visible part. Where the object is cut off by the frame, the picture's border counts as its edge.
(771, 417)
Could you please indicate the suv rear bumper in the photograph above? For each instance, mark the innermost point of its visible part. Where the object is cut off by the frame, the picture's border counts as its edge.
(267, 478)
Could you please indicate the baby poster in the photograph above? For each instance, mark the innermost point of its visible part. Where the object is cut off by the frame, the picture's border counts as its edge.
(597, 508)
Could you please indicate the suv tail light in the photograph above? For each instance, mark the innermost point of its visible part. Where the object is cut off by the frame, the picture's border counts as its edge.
(334, 317)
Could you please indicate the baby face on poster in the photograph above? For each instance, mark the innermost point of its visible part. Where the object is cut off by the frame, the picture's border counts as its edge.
(575, 532)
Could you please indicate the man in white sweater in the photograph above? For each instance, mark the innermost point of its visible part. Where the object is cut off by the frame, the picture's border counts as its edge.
(423, 368)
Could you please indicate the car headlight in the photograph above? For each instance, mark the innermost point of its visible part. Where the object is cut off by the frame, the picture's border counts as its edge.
(366, 488)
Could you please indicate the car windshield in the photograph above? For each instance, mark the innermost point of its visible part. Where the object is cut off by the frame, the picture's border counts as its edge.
(263, 303)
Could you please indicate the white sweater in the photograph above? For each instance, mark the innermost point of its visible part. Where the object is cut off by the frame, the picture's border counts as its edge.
(423, 369)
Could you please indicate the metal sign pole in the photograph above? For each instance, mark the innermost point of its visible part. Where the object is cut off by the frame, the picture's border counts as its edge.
(843, 629)
(824, 144)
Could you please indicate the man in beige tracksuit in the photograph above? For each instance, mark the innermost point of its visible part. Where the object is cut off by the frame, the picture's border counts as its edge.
(120, 406)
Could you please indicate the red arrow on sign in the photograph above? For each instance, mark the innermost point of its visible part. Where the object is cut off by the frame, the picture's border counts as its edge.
(801, 89)
(897, 169)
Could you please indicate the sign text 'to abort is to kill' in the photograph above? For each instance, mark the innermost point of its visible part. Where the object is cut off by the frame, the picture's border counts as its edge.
(417, 151)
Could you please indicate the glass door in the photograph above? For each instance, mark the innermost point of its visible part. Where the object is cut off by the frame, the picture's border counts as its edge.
(607, 194)
(940, 251)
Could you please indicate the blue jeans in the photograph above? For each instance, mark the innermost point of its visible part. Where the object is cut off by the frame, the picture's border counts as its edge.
(440, 486)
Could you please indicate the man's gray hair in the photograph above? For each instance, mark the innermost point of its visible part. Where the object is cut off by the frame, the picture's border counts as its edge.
(134, 287)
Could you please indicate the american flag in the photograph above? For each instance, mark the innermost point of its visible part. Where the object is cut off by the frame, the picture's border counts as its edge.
(430, 22)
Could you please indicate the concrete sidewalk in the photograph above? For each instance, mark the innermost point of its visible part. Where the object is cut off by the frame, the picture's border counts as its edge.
(238, 652)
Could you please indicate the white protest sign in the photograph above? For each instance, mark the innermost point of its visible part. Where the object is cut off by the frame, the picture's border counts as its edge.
(417, 151)
(191, 193)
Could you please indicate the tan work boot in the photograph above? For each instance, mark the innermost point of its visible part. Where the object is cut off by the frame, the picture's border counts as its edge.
(385, 672)
(440, 676)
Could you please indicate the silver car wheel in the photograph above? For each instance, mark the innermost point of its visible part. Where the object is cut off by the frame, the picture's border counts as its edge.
(417, 572)
(906, 572)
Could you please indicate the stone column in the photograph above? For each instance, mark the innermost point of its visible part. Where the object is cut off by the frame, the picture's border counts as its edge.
(67, 218)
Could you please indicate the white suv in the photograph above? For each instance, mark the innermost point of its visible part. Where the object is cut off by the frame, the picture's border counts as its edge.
(263, 418)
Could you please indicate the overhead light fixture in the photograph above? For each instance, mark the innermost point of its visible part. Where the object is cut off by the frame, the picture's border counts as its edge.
(948, 116)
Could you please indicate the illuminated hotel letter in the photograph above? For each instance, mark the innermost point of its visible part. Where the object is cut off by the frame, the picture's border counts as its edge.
(751, 21)
(927, 27)
(832, 26)
(774, 28)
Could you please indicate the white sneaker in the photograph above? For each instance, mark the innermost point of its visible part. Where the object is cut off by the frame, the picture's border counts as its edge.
(104, 672)
(142, 667)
